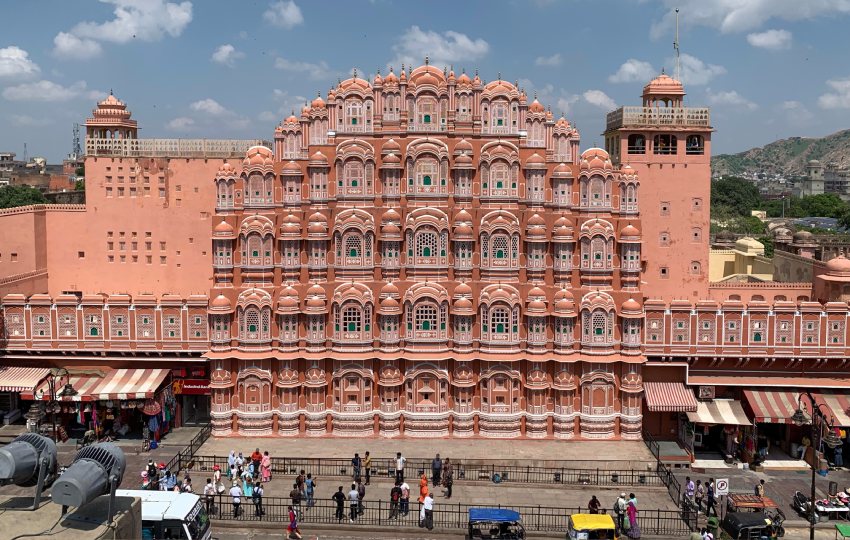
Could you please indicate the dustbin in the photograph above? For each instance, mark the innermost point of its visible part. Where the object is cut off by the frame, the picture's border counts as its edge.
(713, 524)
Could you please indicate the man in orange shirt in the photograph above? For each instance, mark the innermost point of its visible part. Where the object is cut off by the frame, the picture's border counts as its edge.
(256, 457)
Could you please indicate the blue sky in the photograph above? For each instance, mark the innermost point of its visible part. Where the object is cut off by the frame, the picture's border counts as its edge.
(215, 69)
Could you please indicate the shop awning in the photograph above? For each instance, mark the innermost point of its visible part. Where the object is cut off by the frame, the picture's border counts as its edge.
(130, 384)
(669, 397)
(83, 383)
(720, 411)
(838, 403)
(20, 379)
(772, 406)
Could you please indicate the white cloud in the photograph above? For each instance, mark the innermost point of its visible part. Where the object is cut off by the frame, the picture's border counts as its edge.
(267, 116)
(773, 40)
(181, 123)
(839, 98)
(209, 106)
(796, 112)
(600, 99)
(548, 95)
(147, 20)
(443, 49)
(25, 120)
(49, 91)
(730, 98)
(731, 16)
(633, 70)
(285, 14)
(695, 72)
(69, 46)
(320, 70)
(227, 55)
(15, 62)
(565, 104)
(554, 60)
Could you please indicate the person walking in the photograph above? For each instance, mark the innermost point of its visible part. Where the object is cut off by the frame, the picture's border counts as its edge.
(295, 497)
(231, 464)
(361, 495)
(236, 493)
(632, 511)
(367, 465)
(266, 467)
(153, 475)
(339, 499)
(426, 515)
(310, 490)
(423, 487)
(404, 505)
(292, 530)
(620, 506)
(209, 495)
(436, 470)
(760, 488)
(448, 477)
(699, 495)
(259, 511)
(395, 499)
(690, 489)
(356, 464)
(593, 505)
(399, 467)
(709, 499)
(354, 503)
(256, 459)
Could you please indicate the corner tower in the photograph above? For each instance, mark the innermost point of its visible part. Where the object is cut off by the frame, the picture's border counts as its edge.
(669, 145)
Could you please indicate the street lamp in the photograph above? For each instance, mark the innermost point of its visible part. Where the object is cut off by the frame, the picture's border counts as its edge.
(67, 390)
(817, 421)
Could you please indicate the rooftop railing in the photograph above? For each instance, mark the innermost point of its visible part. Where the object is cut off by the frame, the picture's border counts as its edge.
(172, 148)
(658, 117)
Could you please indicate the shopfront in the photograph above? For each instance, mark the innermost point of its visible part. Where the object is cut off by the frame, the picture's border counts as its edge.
(774, 436)
(718, 425)
(191, 388)
(665, 403)
(13, 381)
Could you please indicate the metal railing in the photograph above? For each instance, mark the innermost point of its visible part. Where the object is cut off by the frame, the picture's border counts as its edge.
(674, 489)
(184, 457)
(174, 148)
(376, 513)
(658, 116)
(463, 470)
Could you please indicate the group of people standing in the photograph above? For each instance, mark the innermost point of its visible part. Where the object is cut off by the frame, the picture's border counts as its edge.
(247, 477)
(625, 515)
(699, 492)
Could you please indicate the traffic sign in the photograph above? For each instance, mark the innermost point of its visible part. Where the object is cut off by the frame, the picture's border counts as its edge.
(721, 487)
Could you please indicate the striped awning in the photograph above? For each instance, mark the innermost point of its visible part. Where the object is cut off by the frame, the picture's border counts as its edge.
(727, 412)
(20, 379)
(83, 383)
(130, 384)
(669, 397)
(772, 406)
(838, 403)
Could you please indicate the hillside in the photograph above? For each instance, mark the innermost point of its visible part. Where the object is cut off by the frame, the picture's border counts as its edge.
(787, 156)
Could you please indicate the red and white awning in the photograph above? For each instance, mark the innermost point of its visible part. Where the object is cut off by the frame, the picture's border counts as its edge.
(772, 406)
(724, 412)
(130, 384)
(839, 405)
(20, 379)
(669, 397)
(83, 383)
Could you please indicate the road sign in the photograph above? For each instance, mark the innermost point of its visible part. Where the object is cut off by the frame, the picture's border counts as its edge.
(721, 486)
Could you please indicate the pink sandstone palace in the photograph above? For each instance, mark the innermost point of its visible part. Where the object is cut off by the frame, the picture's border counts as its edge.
(425, 254)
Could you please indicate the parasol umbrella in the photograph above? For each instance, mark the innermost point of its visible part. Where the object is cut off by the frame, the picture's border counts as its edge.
(152, 407)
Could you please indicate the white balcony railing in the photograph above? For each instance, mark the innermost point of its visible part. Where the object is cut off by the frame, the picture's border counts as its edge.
(186, 148)
(658, 116)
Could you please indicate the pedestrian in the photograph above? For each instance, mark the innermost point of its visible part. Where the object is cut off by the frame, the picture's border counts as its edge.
(259, 511)
(236, 493)
(620, 506)
(171, 481)
(436, 470)
(216, 475)
(209, 495)
(699, 495)
(256, 458)
(709, 496)
(399, 466)
(760, 488)
(247, 487)
(295, 497)
(356, 464)
(632, 511)
(404, 505)
(300, 480)
(240, 463)
(426, 514)
(367, 465)
(153, 475)
(593, 505)
(231, 464)
(448, 477)
(361, 495)
(690, 488)
(395, 499)
(354, 503)
(310, 489)
(339, 499)
(266, 467)
(292, 529)
(423, 487)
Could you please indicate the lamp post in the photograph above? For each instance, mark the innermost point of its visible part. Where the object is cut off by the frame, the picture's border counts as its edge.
(67, 390)
(817, 421)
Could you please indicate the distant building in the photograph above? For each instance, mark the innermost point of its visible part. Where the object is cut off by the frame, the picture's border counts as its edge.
(821, 179)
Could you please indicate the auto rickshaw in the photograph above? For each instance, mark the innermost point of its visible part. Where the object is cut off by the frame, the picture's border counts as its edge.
(495, 523)
(747, 526)
(591, 527)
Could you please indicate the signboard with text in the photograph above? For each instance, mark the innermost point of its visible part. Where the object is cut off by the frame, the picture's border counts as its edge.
(191, 387)
(721, 487)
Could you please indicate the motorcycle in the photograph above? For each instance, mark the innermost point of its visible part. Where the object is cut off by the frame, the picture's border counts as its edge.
(803, 505)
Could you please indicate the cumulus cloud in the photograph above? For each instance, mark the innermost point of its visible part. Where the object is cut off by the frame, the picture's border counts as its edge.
(319, 70)
(560, 99)
(69, 46)
(554, 60)
(633, 70)
(565, 104)
(181, 123)
(15, 63)
(733, 16)
(267, 116)
(208, 113)
(839, 97)
(24, 120)
(695, 72)
(49, 91)
(227, 55)
(284, 14)
(729, 98)
(209, 106)
(599, 99)
(443, 49)
(796, 112)
(145, 20)
(773, 40)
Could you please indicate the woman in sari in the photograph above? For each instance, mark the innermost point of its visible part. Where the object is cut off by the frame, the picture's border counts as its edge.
(631, 510)
(423, 488)
(266, 467)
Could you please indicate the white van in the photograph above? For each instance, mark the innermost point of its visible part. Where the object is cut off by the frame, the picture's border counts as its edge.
(171, 515)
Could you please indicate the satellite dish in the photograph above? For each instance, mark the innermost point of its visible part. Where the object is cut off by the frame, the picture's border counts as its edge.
(96, 470)
(29, 460)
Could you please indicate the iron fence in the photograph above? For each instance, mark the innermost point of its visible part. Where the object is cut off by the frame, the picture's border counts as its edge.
(463, 471)
(674, 489)
(668, 523)
(185, 455)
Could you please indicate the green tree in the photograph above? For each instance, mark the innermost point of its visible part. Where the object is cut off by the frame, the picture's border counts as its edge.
(768, 245)
(12, 196)
(736, 193)
(824, 205)
(80, 185)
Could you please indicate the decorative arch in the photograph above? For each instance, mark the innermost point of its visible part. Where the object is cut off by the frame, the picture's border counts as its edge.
(500, 241)
(426, 309)
(427, 387)
(254, 307)
(352, 313)
(597, 312)
(427, 237)
(500, 311)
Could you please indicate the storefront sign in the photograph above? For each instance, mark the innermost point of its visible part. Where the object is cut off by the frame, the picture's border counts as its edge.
(706, 392)
(190, 386)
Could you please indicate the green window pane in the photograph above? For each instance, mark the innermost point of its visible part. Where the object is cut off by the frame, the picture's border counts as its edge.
(352, 327)
(442, 253)
(252, 327)
(94, 331)
(353, 121)
(426, 325)
(442, 326)
(757, 336)
(597, 331)
(255, 253)
(426, 180)
(354, 183)
(500, 328)
(514, 329)
(426, 118)
(352, 252)
(500, 254)
(336, 327)
(367, 327)
(426, 251)
(499, 184)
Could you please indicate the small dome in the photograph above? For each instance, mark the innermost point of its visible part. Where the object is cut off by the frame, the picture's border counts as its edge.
(291, 169)
(838, 266)
(664, 85)
(318, 102)
(391, 77)
(536, 221)
(318, 159)
(536, 292)
(316, 290)
(287, 303)
(562, 171)
(596, 158)
(463, 289)
(463, 161)
(629, 230)
(536, 107)
(464, 79)
(562, 123)
(220, 302)
(463, 232)
(803, 236)
(391, 215)
(318, 224)
(463, 147)
(462, 306)
(315, 302)
(258, 157)
(391, 159)
(749, 244)
(463, 216)
(226, 170)
(223, 228)
(535, 161)
(631, 306)
(391, 147)
(389, 302)
(536, 307)
(390, 289)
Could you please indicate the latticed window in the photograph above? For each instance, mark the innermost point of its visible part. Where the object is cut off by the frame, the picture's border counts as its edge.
(171, 325)
(500, 246)
(427, 173)
(810, 332)
(41, 325)
(68, 322)
(681, 330)
(354, 110)
(197, 326)
(288, 328)
(733, 332)
(14, 322)
(598, 327)
(500, 321)
(145, 325)
(220, 328)
(316, 328)
(351, 319)
(835, 333)
(426, 244)
(426, 317)
(353, 177)
(94, 323)
(706, 330)
(119, 324)
(318, 183)
(758, 331)
(291, 253)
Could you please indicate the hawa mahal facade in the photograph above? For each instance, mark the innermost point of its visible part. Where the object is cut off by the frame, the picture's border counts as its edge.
(425, 254)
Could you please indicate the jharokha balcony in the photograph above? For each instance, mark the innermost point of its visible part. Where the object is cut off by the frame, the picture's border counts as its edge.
(658, 117)
(174, 148)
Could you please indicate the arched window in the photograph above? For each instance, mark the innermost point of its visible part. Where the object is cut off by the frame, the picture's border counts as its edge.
(427, 173)
(256, 250)
(499, 118)
(499, 175)
(425, 318)
(500, 323)
(352, 181)
(629, 202)
(596, 194)
(535, 133)
(664, 144)
(694, 145)
(254, 325)
(426, 113)
(637, 144)
(464, 108)
(354, 113)
(597, 327)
